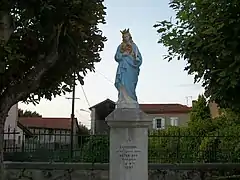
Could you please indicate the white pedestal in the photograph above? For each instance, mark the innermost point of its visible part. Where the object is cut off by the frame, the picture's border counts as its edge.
(128, 144)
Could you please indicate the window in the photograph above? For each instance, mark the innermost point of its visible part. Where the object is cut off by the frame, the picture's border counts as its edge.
(19, 139)
(158, 123)
(174, 121)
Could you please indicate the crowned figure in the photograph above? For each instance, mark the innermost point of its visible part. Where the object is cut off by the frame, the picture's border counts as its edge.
(129, 60)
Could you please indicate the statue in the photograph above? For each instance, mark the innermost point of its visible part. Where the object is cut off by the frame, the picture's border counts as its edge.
(129, 61)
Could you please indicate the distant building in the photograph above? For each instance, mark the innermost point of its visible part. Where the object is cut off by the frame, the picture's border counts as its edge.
(163, 115)
(51, 130)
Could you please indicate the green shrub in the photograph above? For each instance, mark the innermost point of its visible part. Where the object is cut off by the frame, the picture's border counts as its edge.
(200, 110)
(157, 146)
(96, 150)
(225, 120)
(179, 144)
(222, 145)
(172, 145)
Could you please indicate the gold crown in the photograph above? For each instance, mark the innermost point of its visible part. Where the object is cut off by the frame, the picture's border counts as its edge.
(125, 31)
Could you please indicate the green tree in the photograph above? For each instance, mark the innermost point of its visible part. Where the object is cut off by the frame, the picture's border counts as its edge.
(207, 35)
(83, 130)
(200, 110)
(44, 46)
(83, 134)
(28, 113)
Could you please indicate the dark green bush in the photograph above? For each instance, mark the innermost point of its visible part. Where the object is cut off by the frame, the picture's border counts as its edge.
(179, 144)
(96, 150)
(222, 145)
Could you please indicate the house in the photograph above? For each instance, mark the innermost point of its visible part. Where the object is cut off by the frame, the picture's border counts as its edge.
(14, 132)
(51, 130)
(10, 126)
(162, 115)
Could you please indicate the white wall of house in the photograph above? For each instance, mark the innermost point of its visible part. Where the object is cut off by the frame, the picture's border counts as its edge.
(13, 134)
(11, 123)
(93, 118)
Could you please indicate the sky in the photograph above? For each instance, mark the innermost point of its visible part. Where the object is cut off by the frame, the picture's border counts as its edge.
(160, 81)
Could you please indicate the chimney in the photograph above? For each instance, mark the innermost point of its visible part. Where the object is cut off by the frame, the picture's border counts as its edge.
(214, 110)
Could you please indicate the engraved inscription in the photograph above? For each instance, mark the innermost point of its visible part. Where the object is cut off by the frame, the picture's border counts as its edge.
(128, 154)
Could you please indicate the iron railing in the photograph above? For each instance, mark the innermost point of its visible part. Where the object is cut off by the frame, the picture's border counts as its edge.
(163, 148)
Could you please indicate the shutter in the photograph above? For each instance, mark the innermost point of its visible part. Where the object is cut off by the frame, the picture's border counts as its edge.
(163, 123)
(172, 121)
(154, 124)
(176, 121)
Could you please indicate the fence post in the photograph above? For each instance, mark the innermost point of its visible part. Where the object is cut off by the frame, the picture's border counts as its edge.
(14, 139)
(178, 145)
(128, 144)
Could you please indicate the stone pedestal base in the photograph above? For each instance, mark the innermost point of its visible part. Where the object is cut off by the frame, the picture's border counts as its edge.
(128, 144)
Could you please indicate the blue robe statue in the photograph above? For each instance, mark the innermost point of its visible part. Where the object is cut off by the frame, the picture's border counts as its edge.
(127, 73)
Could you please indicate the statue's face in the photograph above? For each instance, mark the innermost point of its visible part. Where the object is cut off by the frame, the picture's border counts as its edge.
(126, 37)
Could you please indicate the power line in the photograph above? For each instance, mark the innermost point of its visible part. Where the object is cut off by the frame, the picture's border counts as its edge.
(105, 77)
(85, 96)
(79, 114)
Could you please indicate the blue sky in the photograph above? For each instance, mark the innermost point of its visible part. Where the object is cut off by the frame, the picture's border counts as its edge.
(159, 81)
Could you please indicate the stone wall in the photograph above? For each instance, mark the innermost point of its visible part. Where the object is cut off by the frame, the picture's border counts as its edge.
(94, 175)
(79, 171)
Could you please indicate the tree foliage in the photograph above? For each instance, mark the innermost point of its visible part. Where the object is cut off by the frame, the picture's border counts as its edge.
(83, 130)
(44, 47)
(28, 113)
(200, 110)
(207, 35)
(44, 43)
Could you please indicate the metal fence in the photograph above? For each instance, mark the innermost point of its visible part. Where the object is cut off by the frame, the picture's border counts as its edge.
(11, 143)
(163, 148)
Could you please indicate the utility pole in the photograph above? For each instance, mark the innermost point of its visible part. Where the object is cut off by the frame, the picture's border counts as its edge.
(72, 116)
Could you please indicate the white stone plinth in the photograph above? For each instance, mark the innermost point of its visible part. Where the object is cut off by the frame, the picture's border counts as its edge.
(128, 144)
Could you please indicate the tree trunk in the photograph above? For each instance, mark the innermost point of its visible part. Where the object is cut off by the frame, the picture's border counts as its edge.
(3, 116)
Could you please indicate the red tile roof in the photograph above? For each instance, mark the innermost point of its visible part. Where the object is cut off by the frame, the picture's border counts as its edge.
(155, 108)
(48, 123)
(164, 108)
